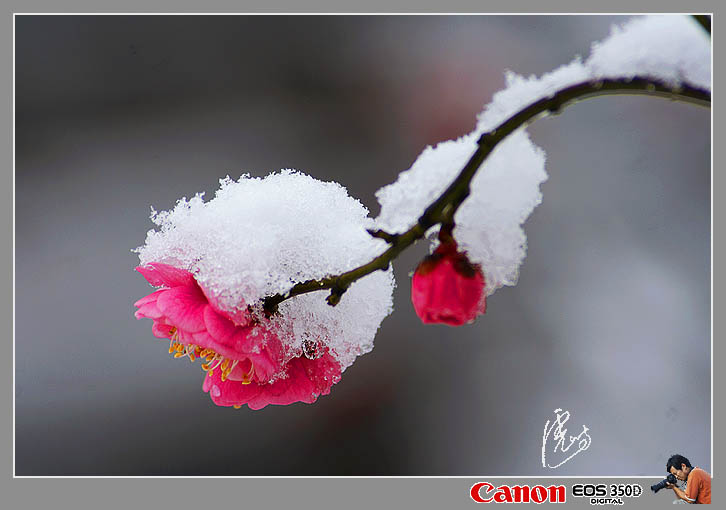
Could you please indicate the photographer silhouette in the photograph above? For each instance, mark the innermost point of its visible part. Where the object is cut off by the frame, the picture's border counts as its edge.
(698, 481)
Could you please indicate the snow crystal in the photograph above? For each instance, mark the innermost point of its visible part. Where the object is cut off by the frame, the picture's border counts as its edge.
(259, 236)
(505, 190)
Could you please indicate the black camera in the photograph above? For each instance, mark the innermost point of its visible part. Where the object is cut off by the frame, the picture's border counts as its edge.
(661, 485)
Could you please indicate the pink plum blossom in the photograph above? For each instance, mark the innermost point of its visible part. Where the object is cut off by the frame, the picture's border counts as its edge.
(447, 288)
(244, 358)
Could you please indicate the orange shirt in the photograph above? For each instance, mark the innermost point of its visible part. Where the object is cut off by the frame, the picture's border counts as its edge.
(698, 486)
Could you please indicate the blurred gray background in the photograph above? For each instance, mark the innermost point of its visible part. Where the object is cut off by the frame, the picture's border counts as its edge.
(610, 319)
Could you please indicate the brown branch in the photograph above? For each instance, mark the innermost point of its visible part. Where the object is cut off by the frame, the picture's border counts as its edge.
(442, 210)
(704, 21)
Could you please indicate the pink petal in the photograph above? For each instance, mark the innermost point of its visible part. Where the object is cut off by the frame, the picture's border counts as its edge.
(219, 327)
(238, 339)
(184, 308)
(185, 337)
(206, 341)
(164, 275)
(296, 387)
(265, 367)
(148, 311)
(151, 298)
(228, 393)
(161, 330)
(322, 372)
(293, 388)
(245, 340)
(267, 361)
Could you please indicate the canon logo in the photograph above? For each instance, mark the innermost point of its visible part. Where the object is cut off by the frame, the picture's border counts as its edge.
(484, 492)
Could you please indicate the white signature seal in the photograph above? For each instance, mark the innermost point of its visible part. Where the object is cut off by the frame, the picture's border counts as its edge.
(557, 432)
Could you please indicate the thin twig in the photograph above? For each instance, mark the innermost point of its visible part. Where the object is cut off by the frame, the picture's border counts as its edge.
(704, 21)
(442, 210)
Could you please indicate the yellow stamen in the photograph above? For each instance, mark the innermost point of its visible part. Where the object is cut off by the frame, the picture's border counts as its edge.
(212, 358)
(237, 407)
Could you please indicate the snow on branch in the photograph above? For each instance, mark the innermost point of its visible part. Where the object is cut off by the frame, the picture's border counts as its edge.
(227, 269)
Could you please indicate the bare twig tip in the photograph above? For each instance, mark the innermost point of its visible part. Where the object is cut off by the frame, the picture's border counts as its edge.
(381, 234)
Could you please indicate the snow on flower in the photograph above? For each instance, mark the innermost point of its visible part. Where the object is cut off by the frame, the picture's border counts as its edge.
(505, 190)
(215, 261)
(447, 288)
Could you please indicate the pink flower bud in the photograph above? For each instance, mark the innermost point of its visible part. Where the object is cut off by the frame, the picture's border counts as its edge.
(447, 288)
